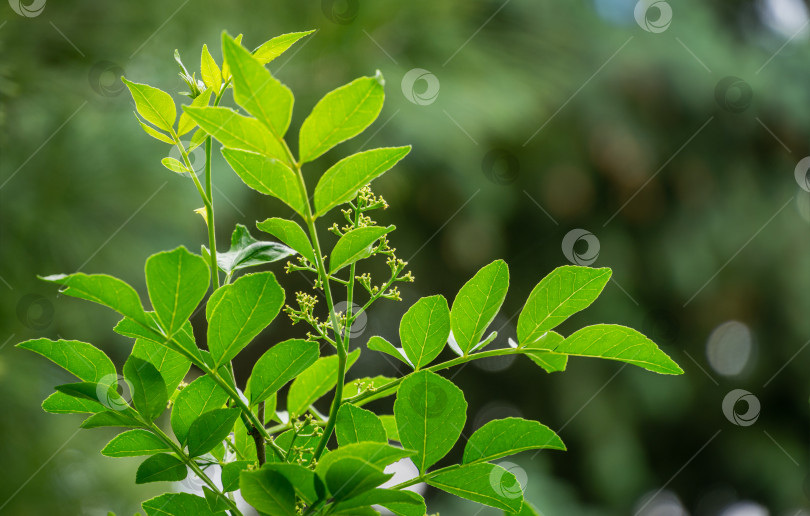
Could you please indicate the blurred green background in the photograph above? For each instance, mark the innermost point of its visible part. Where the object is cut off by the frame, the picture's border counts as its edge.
(663, 140)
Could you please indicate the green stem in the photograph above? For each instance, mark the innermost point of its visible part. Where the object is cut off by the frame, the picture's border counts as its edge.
(209, 212)
(193, 465)
(363, 397)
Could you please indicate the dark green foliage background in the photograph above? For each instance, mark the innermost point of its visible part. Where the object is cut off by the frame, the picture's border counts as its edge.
(92, 195)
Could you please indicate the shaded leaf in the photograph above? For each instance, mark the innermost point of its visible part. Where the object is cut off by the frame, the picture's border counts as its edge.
(477, 304)
(377, 343)
(148, 388)
(109, 418)
(355, 424)
(238, 312)
(172, 365)
(341, 114)
(355, 245)
(620, 343)
(246, 251)
(200, 396)
(177, 281)
(61, 403)
(482, 483)
(430, 412)
(279, 365)
(230, 474)
(162, 468)
(509, 436)
(424, 330)
(291, 234)
(83, 360)
(210, 429)
(345, 178)
(268, 491)
(318, 379)
(186, 123)
(564, 292)
(269, 176)
(133, 443)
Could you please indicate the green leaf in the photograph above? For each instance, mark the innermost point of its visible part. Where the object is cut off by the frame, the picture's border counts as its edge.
(181, 342)
(269, 176)
(104, 290)
(240, 312)
(389, 422)
(373, 385)
(148, 388)
(291, 234)
(477, 304)
(538, 352)
(215, 502)
(172, 365)
(341, 114)
(174, 166)
(345, 178)
(526, 510)
(256, 90)
(177, 281)
(154, 133)
(268, 492)
(348, 477)
(85, 361)
(279, 365)
(376, 454)
(156, 106)
(162, 468)
(618, 343)
(61, 403)
(318, 379)
(402, 503)
(110, 418)
(377, 343)
(430, 412)
(564, 292)
(246, 251)
(509, 436)
(270, 50)
(133, 443)
(482, 483)
(178, 504)
(424, 329)
(230, 474)
(236, 131)
(186, 123)
(211, 74)
(307, 485)
(356, 245)
(355, 424)
(210, 429)
(200, 396)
